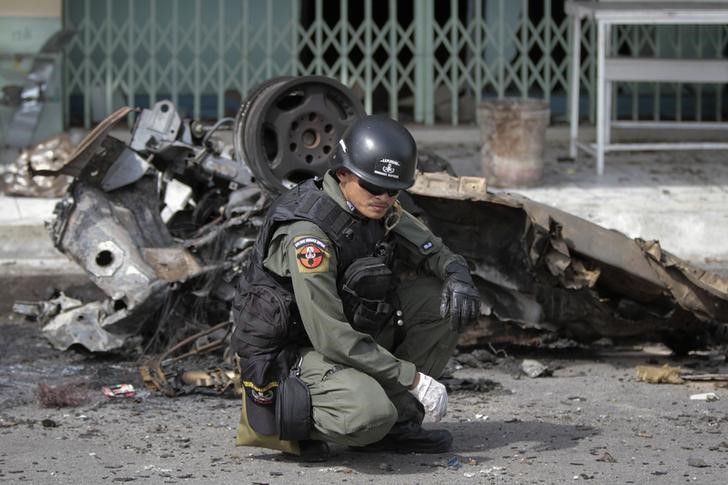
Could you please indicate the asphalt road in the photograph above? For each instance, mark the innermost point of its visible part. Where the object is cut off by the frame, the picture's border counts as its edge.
(591, 421)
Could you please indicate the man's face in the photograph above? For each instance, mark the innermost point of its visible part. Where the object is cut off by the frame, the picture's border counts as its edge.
(368, 204)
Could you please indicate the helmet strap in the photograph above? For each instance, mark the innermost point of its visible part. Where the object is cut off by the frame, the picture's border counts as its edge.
(392, 218)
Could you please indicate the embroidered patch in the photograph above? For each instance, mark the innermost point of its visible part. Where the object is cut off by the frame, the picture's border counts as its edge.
(427, 245)
(263, 396)
(386, 167)
(311, 255)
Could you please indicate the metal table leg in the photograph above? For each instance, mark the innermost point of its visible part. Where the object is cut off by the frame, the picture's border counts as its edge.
(601, 115)
(574, 84)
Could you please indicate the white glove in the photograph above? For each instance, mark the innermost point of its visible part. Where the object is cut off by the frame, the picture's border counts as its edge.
(432, 395)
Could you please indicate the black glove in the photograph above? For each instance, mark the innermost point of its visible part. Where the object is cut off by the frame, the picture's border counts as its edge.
(459, 296)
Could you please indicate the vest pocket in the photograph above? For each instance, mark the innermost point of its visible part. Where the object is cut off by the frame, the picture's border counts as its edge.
(368, 293)
(261, 318)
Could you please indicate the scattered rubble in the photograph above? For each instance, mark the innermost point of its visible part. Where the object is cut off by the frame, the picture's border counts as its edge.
(43, 311)
(23, 176)
(704, 396)
(476, 385)
(533, 368)
(606, 457)
(119, 390)
(674, 375)
(697, 462)
(62, 395)
(705, 377)
(659, 375)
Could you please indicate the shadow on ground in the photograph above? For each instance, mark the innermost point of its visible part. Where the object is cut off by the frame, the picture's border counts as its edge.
(473, 440)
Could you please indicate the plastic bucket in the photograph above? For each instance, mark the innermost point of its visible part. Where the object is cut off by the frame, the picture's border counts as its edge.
(512, 133)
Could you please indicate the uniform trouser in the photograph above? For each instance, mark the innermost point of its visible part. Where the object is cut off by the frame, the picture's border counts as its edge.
(352, 408)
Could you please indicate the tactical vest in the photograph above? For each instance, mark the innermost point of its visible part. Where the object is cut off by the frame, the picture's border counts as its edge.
(265, 312)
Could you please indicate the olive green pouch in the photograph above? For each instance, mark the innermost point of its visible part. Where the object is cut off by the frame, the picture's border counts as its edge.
(246, 436)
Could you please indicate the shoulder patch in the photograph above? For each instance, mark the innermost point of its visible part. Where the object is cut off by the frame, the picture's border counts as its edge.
(311, 255)
(427, 245)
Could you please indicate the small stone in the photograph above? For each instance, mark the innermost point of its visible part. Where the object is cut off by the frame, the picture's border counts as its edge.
(49, 423)
(607, 458)
(468, 360)
(603, 342)
(454, 462)
(697, 462)
(484, 356)
(534, 368)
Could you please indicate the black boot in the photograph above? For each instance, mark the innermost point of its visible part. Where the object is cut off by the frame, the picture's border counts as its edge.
(410, 437)
(313, 451)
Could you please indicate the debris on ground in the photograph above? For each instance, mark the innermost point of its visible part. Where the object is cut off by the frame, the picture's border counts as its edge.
(163, 373)
(49, 423)
(664, 374)
(119, 390)
(494, 471)
(22, 178)
(534, 368)
(705, 377)
(337, 469)
(477, 359)
(697, 462)
(70, 394)
(386, 467)
(42, 311)
(464, 384)
(704, 396)
(606, 457)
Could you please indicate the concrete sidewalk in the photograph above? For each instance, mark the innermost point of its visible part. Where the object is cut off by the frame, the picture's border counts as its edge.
(678, 198)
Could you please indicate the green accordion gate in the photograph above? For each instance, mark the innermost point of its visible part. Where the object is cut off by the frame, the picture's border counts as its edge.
(426, 61)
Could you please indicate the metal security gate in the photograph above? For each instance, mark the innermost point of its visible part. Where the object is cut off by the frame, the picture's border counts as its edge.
(428, 61)
(671, 101)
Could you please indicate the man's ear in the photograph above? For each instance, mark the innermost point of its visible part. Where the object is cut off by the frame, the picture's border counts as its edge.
(341, 173)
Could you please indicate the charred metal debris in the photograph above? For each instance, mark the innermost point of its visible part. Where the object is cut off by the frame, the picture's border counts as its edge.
(163, 225)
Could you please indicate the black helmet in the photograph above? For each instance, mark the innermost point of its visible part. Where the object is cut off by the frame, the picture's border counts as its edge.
(378, 150)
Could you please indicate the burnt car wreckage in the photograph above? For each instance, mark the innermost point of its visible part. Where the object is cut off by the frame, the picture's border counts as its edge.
(163, 225)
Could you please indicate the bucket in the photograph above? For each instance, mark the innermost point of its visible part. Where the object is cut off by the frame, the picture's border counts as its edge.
(512, 133)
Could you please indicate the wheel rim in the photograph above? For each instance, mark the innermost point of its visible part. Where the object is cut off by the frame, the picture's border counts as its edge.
(290, 126)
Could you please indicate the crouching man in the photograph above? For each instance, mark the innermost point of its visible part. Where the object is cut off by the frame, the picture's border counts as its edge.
(332, 346)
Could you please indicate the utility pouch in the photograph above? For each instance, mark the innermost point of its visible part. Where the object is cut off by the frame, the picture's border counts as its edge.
(368, 290)
(260, 389)
(258, 426)
(261, 316)
(293, 408)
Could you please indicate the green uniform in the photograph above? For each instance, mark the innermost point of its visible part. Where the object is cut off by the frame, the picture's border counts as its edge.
(358, 383)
